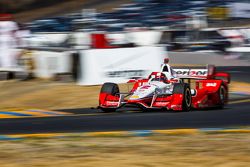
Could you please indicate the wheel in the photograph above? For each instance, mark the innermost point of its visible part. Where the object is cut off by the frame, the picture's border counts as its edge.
(184, 88)
(222, 96)
(112, 89)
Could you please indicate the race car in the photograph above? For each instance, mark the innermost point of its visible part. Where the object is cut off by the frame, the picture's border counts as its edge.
(170, 89)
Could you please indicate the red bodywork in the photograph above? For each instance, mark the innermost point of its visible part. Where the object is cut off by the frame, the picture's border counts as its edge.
(205, 93)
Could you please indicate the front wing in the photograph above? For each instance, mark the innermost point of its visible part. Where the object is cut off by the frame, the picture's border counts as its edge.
(168, 101)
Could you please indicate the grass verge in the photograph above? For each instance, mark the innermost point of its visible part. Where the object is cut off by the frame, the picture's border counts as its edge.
(204, 150)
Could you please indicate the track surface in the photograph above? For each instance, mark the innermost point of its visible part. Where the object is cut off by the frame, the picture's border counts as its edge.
(238, 73)
(84, 120)
(233, 115)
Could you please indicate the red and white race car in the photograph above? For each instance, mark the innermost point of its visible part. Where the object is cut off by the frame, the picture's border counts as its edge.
(170, 89)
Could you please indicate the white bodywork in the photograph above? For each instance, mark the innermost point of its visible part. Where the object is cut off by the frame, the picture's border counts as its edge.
(152, 88)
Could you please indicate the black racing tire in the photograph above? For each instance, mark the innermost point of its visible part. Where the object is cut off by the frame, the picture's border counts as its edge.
(112, 89)
(184, 88)
(222, 96)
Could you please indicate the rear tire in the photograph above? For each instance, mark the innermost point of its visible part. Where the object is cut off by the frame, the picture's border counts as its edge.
(184, 89)
(112, 89)
(222, 96)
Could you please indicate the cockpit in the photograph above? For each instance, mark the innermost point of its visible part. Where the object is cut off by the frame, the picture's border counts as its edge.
(158, 76)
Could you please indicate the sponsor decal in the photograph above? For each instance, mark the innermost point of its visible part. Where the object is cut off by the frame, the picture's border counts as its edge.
(211, 84)
(112, 103)
(190, 72)
(135, 97)
(177, 107)
(161, 103)
(125, 73)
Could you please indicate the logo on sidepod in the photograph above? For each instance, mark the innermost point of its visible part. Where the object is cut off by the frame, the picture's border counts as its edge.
(161, 103)
(211, 84)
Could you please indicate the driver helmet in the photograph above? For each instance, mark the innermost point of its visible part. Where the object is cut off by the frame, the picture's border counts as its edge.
(158, 76)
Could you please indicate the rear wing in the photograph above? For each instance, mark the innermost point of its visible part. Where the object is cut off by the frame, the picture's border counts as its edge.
(191, 73)
(198, 73)
(209, 72)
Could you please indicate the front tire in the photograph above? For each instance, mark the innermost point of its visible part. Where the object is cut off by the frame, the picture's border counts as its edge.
(111, 89)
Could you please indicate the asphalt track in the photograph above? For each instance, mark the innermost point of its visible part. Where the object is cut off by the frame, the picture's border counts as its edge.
(238, 73)
(237, 113)
(92, 120)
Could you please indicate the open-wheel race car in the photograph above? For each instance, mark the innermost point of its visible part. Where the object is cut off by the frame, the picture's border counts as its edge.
(170, 89)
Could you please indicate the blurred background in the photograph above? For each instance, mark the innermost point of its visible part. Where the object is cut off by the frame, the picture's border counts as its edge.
(64, 50)
(63, 29)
